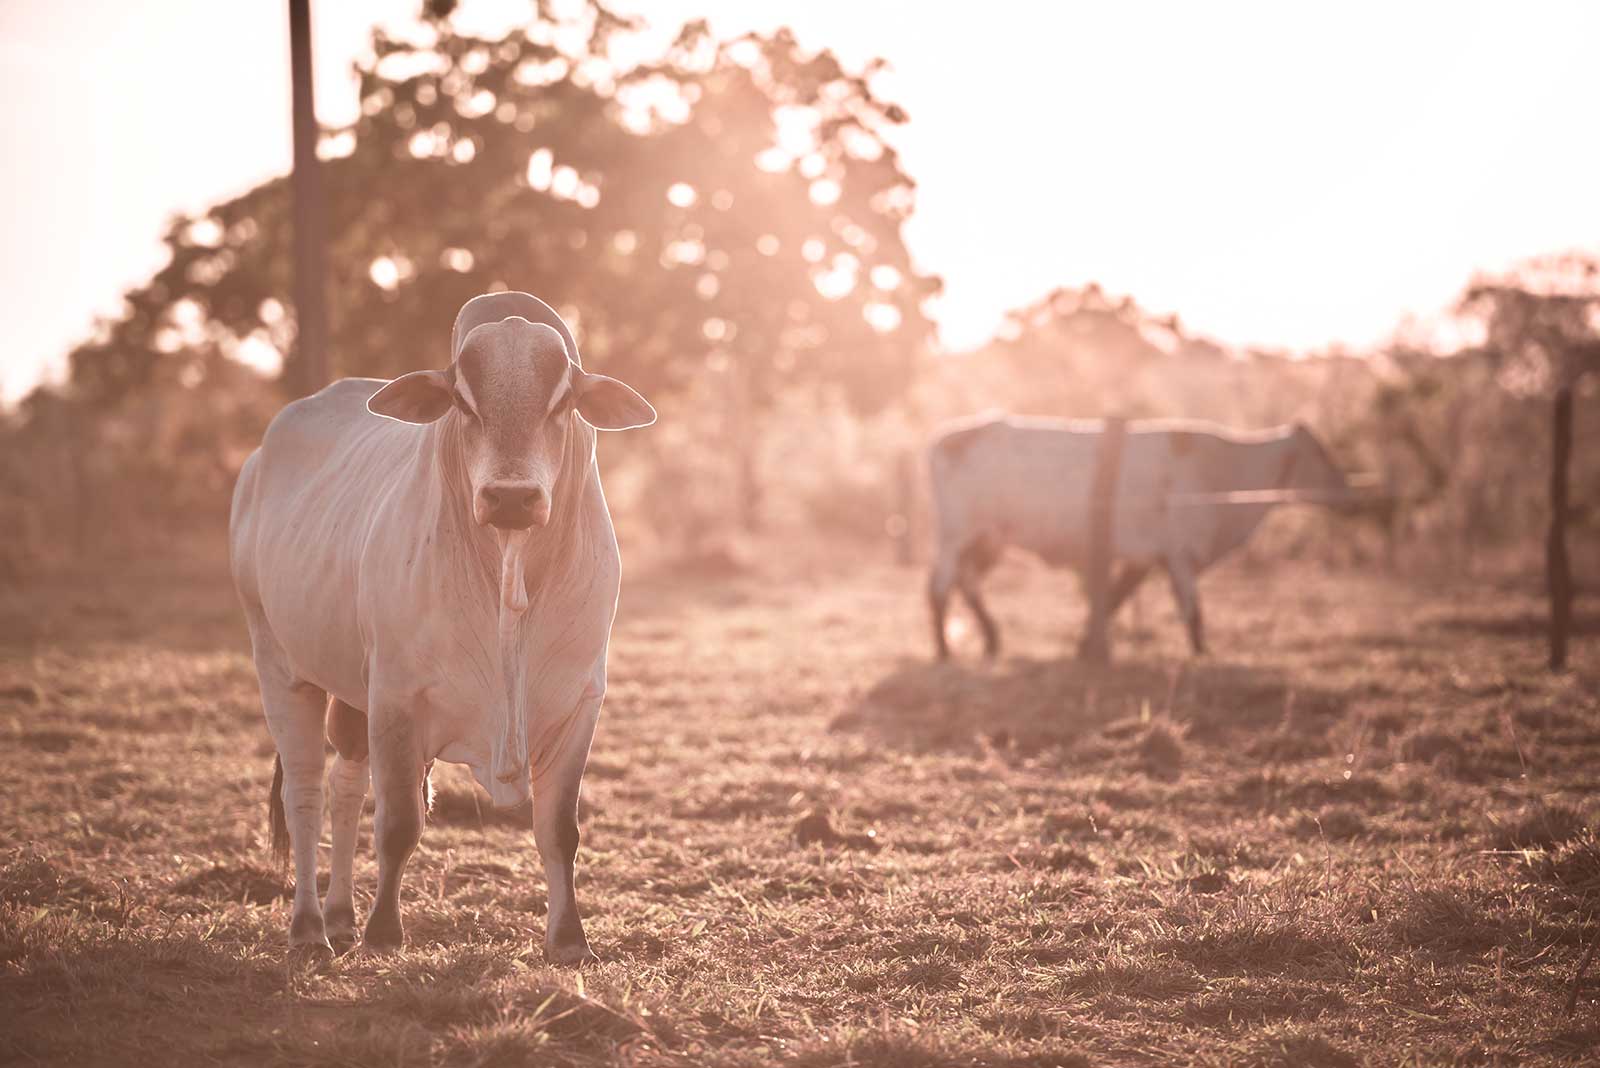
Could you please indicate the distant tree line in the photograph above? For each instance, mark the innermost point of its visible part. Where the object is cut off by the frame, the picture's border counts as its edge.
(723, 223)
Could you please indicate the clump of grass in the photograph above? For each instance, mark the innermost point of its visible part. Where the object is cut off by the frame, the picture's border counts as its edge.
(1161, 749)
(1574, 863)
(29, 878)
(816, 828)
(23, 693)
(1444, 918)
(1144, 975)
(235, 882)
(1338, 822)
(1294, 1046)
(1535, 826)
(935, 972)
(1255, 945)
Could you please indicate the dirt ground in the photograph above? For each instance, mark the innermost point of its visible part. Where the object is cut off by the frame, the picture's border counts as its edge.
(1361, 831)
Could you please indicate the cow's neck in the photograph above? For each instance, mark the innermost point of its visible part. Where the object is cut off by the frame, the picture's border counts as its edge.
(528, 593)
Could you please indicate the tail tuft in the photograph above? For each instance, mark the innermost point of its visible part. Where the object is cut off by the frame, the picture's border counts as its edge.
(276, 817)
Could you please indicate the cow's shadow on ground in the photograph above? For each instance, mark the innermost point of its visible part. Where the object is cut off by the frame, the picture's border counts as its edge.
(1031, 706)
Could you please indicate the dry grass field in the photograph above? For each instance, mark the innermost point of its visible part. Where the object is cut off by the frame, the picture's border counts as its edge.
(1362, 831)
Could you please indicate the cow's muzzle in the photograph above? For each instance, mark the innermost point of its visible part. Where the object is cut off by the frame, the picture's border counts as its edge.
(513, 505)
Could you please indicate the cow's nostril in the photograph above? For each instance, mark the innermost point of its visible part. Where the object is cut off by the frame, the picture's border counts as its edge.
(491, 498)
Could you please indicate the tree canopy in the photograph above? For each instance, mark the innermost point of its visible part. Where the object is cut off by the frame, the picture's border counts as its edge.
(727, 205)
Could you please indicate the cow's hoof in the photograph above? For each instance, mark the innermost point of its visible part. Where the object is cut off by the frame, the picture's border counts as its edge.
(308, 957)
(572, 955)
(341, 925)
(383, 934)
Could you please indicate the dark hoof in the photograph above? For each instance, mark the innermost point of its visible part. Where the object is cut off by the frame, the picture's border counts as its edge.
(343, 943)
(308, 957)
(574, 955)
(383, 935)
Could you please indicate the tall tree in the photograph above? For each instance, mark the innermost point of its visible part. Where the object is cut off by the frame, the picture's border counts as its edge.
(729, 206)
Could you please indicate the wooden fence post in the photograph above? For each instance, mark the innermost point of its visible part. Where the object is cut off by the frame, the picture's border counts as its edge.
(1558, 571)
(1096, 646)
(310, 216)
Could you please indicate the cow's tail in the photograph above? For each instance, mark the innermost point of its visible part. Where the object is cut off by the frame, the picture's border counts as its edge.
(277, 819)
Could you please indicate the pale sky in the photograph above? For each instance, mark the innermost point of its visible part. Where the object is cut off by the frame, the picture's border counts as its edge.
(1281, 174)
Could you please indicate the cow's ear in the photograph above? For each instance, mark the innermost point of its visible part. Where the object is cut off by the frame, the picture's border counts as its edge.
(419, 397)
(611, 405)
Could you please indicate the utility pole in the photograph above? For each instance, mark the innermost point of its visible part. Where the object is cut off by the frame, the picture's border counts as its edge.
(308, 370)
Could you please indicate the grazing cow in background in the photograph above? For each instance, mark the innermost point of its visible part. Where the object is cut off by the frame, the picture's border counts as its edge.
(1001, 482)
(428, 571)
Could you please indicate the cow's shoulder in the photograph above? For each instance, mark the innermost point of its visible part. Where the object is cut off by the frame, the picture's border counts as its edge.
(345, 398)
(954, 440)
(331, 413)
(953, 444)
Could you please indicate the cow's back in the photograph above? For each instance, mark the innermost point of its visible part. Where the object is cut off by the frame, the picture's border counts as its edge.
(303, 512)
(1027, 483)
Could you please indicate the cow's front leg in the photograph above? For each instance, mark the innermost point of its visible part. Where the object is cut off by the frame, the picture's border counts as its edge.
(940, 581)
(1185, 589)
(347, 794)
(558, 775)
(347, 790)
(397, 770)
(1096, 644)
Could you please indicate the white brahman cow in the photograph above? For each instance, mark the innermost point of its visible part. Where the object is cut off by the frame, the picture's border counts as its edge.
(429, 571)
(1027, 483)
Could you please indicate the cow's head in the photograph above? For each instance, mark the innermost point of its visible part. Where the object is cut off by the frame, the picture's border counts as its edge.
(514, 391)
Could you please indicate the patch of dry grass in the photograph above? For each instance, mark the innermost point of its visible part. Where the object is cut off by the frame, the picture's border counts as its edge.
(1341, 840)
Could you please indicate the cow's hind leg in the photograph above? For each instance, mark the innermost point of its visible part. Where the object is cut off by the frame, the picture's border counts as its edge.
(397, 782)
(347, 792)
(975, 562)
(1185, 589)
(557, 777)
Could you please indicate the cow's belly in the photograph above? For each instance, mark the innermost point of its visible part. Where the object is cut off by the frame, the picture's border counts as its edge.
(1059, 535)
